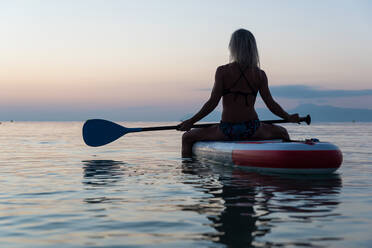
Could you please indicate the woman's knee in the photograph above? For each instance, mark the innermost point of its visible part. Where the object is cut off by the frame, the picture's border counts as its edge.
(282, 132)
(187, 137)
(271, 131)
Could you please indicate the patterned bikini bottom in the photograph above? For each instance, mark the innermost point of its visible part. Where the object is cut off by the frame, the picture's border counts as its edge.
(239, 131)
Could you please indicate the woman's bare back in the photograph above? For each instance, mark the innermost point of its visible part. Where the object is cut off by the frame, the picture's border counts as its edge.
(240, 87)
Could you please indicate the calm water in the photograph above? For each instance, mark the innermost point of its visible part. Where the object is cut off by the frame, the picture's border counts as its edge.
(136, 192)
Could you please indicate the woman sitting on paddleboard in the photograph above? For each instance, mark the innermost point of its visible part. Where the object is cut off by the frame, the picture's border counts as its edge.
(238, 84)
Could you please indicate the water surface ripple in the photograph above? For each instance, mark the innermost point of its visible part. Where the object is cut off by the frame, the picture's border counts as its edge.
(137, 192)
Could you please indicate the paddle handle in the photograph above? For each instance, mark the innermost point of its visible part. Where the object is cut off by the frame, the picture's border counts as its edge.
(306, 119)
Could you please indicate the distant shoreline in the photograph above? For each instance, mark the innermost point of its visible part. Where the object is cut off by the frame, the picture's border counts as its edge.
(319, 113)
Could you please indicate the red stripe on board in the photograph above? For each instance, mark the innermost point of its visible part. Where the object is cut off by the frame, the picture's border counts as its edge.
(288, 159)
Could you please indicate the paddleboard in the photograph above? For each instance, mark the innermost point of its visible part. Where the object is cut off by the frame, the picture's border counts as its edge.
(277, 156)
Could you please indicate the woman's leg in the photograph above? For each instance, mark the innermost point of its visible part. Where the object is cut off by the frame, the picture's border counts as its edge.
(199, 134)
(270, 131)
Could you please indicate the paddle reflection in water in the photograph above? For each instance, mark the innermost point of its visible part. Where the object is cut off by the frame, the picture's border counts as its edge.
(255, 205)
(101, 173)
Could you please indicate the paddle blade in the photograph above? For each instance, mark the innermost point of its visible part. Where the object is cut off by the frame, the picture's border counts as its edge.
(97, 132)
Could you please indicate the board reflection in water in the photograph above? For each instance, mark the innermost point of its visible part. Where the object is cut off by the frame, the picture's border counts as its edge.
(254, 204)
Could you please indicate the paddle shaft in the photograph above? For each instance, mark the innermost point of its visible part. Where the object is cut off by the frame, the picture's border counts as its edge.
(98, 132)
(306, 119)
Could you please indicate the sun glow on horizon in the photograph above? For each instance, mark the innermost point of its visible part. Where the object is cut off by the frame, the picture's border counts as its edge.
(121, 53)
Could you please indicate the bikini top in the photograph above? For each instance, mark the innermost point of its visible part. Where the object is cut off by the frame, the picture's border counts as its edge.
(237, 93)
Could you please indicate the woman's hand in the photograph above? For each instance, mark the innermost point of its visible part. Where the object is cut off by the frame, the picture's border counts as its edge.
(185, 125)
(294, 118)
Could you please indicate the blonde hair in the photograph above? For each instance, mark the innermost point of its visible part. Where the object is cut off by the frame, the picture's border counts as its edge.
(243, 49)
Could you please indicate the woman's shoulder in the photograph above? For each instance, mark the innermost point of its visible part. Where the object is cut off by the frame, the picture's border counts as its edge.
(224, 68)
(261, 73)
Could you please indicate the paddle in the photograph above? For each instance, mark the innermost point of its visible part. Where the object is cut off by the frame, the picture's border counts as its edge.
(98, 132)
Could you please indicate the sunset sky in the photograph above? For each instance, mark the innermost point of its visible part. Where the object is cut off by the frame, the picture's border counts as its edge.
(76, 57)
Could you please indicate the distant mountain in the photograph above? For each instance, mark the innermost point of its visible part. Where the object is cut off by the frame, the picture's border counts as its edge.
(325, 113)
(319, 113)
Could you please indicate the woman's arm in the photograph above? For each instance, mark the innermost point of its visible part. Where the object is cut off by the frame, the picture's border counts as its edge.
(271, 103)
(209, 106)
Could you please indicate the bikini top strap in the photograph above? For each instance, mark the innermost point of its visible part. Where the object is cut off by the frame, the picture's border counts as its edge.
(246, 79)
(227, 91)
(236, 81)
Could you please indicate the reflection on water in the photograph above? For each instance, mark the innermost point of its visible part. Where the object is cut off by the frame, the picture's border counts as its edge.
(102, 173)
(242, 207)
(135, 192)
(255, 203)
